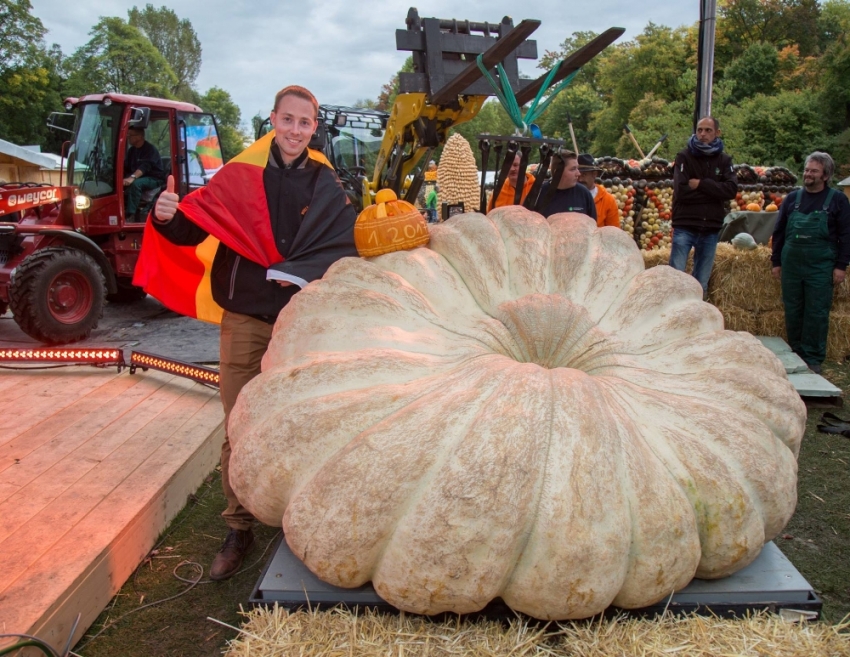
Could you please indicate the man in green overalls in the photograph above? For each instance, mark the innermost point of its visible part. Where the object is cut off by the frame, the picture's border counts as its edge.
(811, 251)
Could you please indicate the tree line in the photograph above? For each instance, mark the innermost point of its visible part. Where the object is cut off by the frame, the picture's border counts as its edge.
(781, 84)
(152, 52)
(781, 87)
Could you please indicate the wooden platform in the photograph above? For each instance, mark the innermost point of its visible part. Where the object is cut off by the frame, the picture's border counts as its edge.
(93, 466)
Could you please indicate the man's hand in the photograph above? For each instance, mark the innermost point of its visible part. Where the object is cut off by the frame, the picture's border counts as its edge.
(693, 183)
(777, 273)
(838, 276)
(128, 181)
(166, 204)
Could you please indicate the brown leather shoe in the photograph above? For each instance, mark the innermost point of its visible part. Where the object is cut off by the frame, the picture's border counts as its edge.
(230, 556)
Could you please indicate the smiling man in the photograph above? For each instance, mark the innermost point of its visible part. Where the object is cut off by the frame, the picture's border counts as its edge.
(703, 180)
(288, 205)
(811, 252)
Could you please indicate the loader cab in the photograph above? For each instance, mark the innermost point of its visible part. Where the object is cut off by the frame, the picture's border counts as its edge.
(185, 138)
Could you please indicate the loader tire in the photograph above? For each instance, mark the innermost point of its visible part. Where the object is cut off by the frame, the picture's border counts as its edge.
(57, 295)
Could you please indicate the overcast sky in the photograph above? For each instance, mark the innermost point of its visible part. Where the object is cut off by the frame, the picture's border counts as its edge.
(342, 50)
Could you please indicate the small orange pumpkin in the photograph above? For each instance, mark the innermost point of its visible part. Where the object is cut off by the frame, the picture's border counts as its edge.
(389, 225)
(771, 208)
(753, 207)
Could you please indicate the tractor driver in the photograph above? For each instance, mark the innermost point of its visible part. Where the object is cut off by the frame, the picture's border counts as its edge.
(142, 169)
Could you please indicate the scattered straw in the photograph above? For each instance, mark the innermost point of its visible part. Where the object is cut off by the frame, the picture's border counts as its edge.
(340, 633)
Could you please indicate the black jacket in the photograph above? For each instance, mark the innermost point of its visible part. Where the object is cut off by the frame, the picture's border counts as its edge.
(574, 199)
(238, 284)
(703, 208)
(145, 159)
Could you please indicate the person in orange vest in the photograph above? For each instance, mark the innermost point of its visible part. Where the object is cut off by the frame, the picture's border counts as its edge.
(506, 196)
(607, 213)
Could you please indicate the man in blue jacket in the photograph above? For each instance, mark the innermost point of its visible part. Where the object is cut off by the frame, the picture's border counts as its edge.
(703, 180)
(811, 251)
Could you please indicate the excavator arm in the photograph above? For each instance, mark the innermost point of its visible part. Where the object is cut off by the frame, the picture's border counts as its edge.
(447, 88)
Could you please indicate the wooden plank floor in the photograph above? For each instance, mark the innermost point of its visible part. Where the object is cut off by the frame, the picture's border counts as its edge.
(94, 464)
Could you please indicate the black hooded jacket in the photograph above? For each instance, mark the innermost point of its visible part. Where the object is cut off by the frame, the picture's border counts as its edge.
(704, 208)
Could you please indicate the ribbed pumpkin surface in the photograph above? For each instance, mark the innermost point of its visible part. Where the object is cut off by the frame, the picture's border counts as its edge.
(518, 411)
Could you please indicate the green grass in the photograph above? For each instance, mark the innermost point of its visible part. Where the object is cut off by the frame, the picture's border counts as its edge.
(179, 627)
(816, 541)
(821, 525)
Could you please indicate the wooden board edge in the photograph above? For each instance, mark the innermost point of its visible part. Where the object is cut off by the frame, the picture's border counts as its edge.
(103, 578)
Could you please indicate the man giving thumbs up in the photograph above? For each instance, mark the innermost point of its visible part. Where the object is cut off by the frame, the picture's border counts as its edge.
(282, 219)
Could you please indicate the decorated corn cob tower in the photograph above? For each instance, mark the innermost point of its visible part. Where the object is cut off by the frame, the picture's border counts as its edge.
(457, 175)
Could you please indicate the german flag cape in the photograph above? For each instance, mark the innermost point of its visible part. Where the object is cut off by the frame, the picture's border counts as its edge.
(179, 276)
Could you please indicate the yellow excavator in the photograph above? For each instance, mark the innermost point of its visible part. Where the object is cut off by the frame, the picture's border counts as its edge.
(448, 87)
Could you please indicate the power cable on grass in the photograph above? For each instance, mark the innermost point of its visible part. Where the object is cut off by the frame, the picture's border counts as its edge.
(192, 584)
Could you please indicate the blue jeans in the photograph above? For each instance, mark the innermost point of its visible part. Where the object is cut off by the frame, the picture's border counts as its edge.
(704, 246)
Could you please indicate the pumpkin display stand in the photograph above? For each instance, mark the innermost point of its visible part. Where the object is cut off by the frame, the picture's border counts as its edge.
(518, 411)
(770, 583)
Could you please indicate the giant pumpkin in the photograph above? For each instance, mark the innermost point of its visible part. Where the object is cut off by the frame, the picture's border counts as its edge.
(519, 410)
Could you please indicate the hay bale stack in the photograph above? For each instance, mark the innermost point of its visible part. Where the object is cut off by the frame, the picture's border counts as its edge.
(772, 323)
(838, 343)
(739, 319)
(274, 632)
(655, 257)
(841, 297)
(742, 279)
(750, 299)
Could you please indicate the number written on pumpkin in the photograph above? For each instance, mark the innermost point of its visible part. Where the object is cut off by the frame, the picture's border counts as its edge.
(409, 233)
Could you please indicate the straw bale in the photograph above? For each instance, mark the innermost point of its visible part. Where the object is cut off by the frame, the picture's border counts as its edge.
(738, 319)
(338, 633)
(772, 324)
(841, 297)
(743, 279)
(838, 342)
(656, 257)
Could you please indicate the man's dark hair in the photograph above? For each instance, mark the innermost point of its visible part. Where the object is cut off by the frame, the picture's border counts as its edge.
(713, 120)
(140, 131)
(298, 92)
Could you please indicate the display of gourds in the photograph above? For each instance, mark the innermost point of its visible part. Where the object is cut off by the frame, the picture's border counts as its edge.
(519, 410)
(458, 180)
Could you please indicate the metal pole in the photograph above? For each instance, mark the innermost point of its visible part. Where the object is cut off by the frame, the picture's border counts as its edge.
(707, 30)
